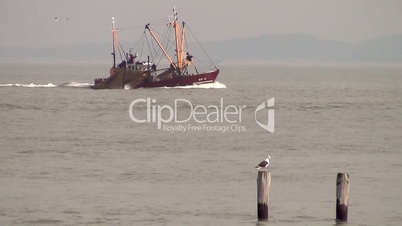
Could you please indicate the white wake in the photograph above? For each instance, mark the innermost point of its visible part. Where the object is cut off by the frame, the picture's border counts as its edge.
(49, 85)
(215, 85)
(32, 85)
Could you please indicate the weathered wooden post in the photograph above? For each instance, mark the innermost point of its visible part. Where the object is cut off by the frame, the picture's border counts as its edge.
(263, 185)
(342, 196)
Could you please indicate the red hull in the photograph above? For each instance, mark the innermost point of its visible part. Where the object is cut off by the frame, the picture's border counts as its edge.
(208, 77)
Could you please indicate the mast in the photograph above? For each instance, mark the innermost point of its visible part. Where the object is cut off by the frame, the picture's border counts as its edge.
(114, 51)
(179, 46)
(183, 40)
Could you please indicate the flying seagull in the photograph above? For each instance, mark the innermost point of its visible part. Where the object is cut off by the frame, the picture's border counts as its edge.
(264, 164)
(56, 19)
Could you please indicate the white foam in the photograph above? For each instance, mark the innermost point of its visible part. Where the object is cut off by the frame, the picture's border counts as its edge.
(215, 85)
(77, 84)
(49, 85)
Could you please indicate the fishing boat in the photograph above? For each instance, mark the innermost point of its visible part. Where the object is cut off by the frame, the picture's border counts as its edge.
(159, 59)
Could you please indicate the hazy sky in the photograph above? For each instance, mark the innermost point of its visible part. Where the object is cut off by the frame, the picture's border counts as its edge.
(30, 23)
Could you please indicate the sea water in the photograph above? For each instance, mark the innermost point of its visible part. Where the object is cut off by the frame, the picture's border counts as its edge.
(70, 155)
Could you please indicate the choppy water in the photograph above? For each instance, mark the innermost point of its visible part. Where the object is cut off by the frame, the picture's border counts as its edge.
(70, 155)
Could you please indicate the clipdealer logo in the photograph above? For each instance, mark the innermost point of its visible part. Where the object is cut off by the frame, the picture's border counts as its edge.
(270, 126)
(184, 116)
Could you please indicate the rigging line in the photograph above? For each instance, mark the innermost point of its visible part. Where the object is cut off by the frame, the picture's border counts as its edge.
(141, 48)
(163, 35)
(194, 59)
(155, 50)
(159, 21)
(121, 58)
(124, 53)
(149, 43)
(122, 50)
(164, 40)
(121, 53)
(128, 28)
(119, 47)
(149, 48)
(195, 67)
(187, 46)
(155, 22)
(170, 44)
(202, 62)
(152, 53)
(205, 52)
(138, 41)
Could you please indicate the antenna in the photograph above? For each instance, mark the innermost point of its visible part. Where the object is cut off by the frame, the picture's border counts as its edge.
(174, 13)
(112, 23)
(114, 51)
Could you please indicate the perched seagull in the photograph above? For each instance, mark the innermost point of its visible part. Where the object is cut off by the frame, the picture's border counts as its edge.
(264, 164)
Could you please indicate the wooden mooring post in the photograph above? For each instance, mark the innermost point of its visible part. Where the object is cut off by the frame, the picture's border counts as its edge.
(263, 186)
(342, 196)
